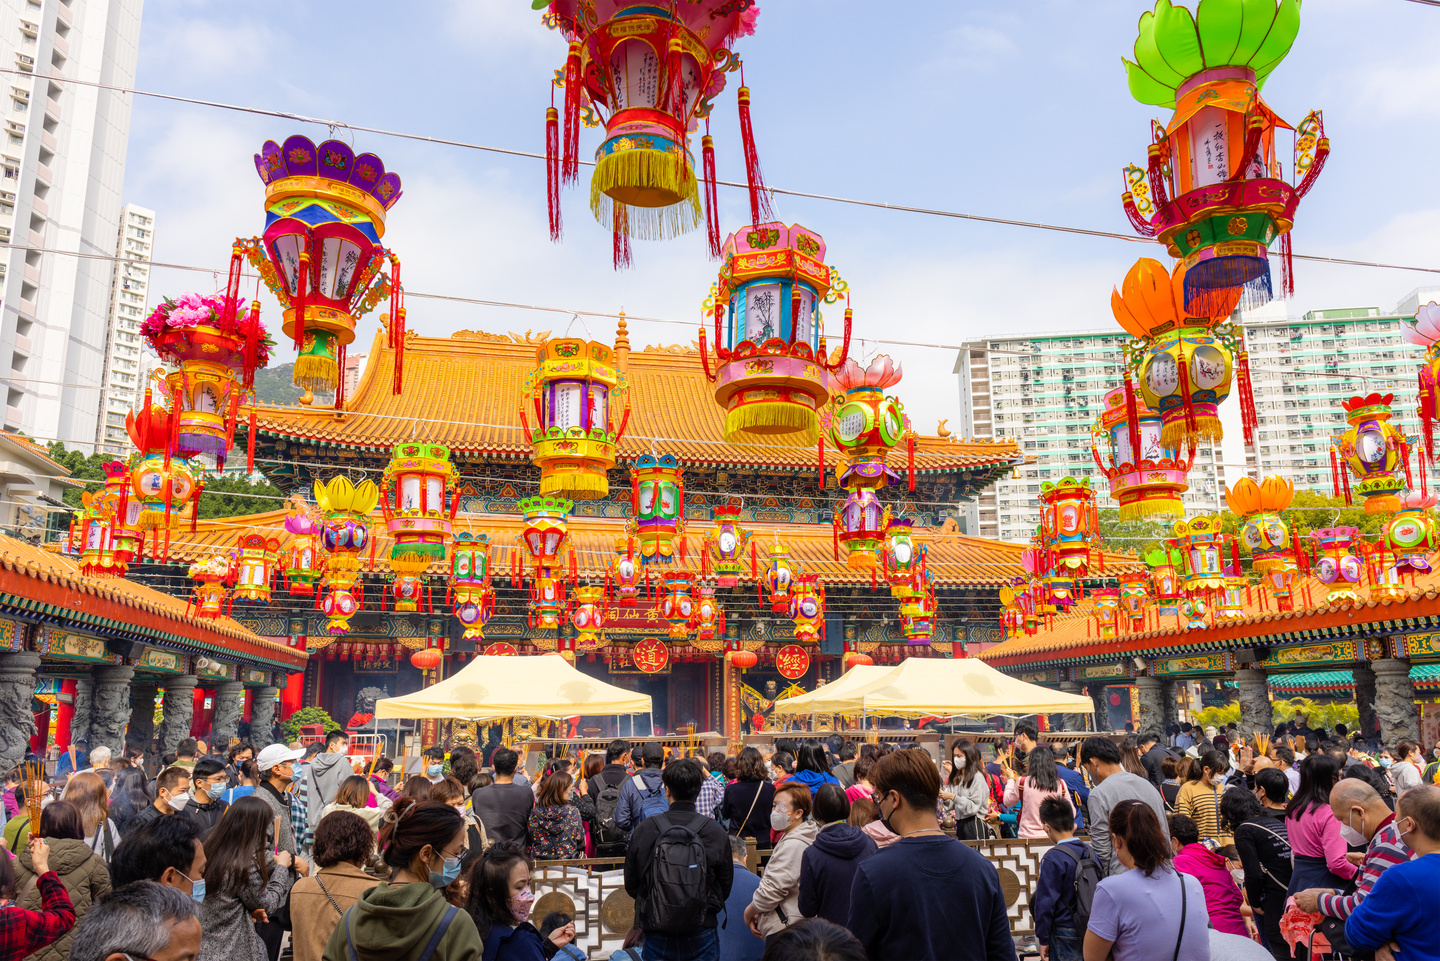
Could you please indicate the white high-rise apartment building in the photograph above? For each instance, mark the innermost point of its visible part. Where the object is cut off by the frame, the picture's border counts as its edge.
(1044, 391)
(1304, 367)
(63, 157)
(129, 303)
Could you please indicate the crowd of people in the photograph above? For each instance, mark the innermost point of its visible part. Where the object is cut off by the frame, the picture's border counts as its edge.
(1184, 845)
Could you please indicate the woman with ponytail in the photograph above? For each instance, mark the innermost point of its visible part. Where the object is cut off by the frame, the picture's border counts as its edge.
(500, 902)
(407, 918)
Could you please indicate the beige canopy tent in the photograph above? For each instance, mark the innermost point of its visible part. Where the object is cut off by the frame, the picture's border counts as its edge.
(962, 686)
(861, 675)
(491, 688)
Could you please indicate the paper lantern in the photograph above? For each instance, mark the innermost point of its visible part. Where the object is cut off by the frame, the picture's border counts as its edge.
(708, 621)
(1107, 609)
(589, 613)
(780, 573)
(903, 558)
(1015, 603)
(470, 588)
(1184, 360)
(1336, 564)
(917, 617)
(418, 499)
(162, 487)
(677, 603)
(857, 659)
(623, 578)
(772, 369)
(345, 533)
(306, 563)
(1165, 579)
(807, 608)
(545, 530)
(1411, 535)
(407, 587)
(657, 507)
(427, 659)
(743, 660)
(865, 424)
(102, 532)
(654, 71)
(321, 256)
(1214, 192)
(1069, 523)
(1423, 330)
(1265, 534)
(1232, 598)
(1134, 599)
(1147, 479)
(209, 594)
(257, 558)
(726, 545)
(548, 600)
(571, 391)
(1375, 451)
(1202, 544)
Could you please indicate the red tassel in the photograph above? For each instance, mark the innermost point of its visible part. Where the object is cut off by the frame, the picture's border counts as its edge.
(1132, 413)
(1287, 266)
(570, 162)
(370, 563)
(552, 171)
(250, 444)
(620, 237)
(1335, 471)
(1345, 480)
(1235, 555)
(820, 465)
(1427, 410)
(1183, 368)
(1249, 420)
(754, 569)
(399, 323)
(1424, 467)
(712, 205)
(340, 381)
(910, 460)
(298, 302)
(1405, 457)
(760, 210)
(835, 535)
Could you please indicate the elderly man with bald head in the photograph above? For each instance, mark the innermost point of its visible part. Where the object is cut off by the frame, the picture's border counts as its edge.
(1364, 818)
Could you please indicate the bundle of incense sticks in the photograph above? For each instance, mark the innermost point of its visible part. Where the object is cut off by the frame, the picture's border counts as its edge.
(1262, 745)
(32, 775)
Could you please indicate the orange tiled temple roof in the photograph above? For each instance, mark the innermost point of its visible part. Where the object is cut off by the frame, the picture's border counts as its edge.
(1074, 636)
(44, 577)
(955, 560)
(466, 391)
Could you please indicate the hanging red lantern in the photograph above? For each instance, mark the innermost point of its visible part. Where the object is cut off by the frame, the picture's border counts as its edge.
(857, 659)
(427, 659)
(743, 659)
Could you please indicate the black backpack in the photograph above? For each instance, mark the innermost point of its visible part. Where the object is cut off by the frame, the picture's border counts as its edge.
(607, 799)
(1087, 879)
(678, 895)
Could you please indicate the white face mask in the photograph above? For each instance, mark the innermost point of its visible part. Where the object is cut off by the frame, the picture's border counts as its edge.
(1353, 837)
(959, 762)
(178, 801)
(779, 820)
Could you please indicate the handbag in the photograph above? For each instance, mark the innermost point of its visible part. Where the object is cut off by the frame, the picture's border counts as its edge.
(1181, 937)
(737, 828)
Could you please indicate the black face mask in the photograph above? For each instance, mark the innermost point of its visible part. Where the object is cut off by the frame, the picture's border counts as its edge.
(885, 821)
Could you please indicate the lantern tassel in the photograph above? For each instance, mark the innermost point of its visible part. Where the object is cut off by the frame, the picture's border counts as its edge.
(398, 379)
(552, 171)
(754, 567)
(1249, 420)
(570, 158)
(820, 462)
(1427, 410)
(1287, 266)
(1335, 471)
(620, 238)
(298, 301)
(252, 344)
(1183, 368)
(712, 202)
(1132, 412)
(1405, 458)
(250, 443)
(760, 210)
(910, 459)
(1423, 466)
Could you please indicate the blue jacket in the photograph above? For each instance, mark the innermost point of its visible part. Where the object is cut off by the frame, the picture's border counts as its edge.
(736, 941)
(507, 943)
(628, 813)
(1053, 905)
(1398, 909)
(1076, 783)
(827, 871)
(813, 779)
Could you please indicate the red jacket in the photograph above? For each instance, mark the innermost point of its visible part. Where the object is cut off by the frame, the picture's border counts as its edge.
(24, 932)
(1222, 896)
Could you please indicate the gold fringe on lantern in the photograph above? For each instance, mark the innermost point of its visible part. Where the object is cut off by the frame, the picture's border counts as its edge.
(1177, 435)
(658, 190)
(317, 373)
(1138, 510)
(861, 561)
(787, 424)
(575, 485)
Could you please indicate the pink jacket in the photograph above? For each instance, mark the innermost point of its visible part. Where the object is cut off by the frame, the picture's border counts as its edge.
(1316, 834)
(1030, 797)
(1222, 897)
(882, 835)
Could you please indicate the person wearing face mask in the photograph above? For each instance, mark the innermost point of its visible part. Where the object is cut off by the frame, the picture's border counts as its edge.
(1365, 819)
(171, 796)
(167, 851)
(499, 906)
(776, 904)
(242, 883)
(407, 917)
(435, 764)
(450, 792)
(207, 782)
(276, 765)
(343, 846)
(966, 795)
(1398, 914)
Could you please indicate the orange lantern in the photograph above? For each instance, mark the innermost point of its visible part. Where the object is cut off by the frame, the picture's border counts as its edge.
(427, 659)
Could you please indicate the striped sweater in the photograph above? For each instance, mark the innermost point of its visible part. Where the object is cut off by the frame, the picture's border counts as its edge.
(1386, 849)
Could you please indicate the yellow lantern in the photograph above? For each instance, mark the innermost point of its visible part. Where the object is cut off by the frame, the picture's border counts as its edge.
(1107, 610)
(209, 595)
(779, 576)
(257, 557)
(726, 545)
(408, 587)
(306, 563)
(589, 614)
(416, 499)
(1265, 533)
(345, 534)
(574, 438)
(807, 608)
(1375, 451)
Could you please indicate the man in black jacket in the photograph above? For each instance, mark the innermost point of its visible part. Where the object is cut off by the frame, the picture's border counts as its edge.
(675, 906)
(1151, 756)
(609, 841)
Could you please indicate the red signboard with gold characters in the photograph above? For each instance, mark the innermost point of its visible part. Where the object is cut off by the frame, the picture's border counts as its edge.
(792, 661)
(501, 649)
(650, 655)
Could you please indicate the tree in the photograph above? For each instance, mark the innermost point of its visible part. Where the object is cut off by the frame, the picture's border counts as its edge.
(1133, 537)
(290, 727)
(226, 495)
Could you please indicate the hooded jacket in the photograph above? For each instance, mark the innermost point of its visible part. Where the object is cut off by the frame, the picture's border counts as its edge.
(556, 832)
(813, 779)
(205, 816)
(394, 923)
(1222, 896)
(779, 890)
(880, 834)
(629, 810)
(322, 782)
(828, 868)
(84, 875)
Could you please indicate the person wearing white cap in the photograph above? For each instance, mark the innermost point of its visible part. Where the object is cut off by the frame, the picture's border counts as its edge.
(277, 771)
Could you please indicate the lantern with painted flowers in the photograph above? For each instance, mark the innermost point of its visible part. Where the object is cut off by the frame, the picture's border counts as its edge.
(1375, 451)
(321, 255)
(1184, 361)
(807, 608)
(917, 616)
(1146, 477)
(624, 577)
(99, 533)
(162, 486)
(780, 574)
(726, 545)
(345, 533)
(677, 604)
(306, 562)
(417, 499)
(1231, 602)
(1214, 192)
(1336, 564)
(1202, 543)
(1069, 523)
(771, 367)
(589, 613)
(865, 424)
(573, 392)
(657, 506)
(708, 621)
(1107, 610)
(1134, 598)
(470, 588)
(257, 558)
(1265, 533)
(1165, 579)
(903, 558)
(210, 574)
(407, 587)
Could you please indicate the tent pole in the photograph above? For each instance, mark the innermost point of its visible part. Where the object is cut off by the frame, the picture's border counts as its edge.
(650, 733)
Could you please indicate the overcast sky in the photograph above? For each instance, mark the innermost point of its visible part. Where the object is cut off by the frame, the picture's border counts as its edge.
(1002, 108)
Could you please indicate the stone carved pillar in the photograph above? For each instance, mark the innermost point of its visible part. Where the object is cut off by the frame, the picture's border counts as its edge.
(1256, 716)
(1395, 700)
(111, 712)
(1075, 722)
(262, 716)
(17, 724)
(178, 710)
(229, 705)
(142, 716)
(1365, 700)
(84, 705)
(1099, 698)
(1157, 703)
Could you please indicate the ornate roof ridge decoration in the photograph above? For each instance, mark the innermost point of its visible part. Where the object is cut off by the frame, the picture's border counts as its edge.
(485, 336)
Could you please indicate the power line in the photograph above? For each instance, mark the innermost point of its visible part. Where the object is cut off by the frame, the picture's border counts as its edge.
(809, 195)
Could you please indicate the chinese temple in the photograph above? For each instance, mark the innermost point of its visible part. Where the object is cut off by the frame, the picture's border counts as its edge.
(655, 603)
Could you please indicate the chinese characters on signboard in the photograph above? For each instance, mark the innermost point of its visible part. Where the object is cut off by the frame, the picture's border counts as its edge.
(792, 661)
(650, 655)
